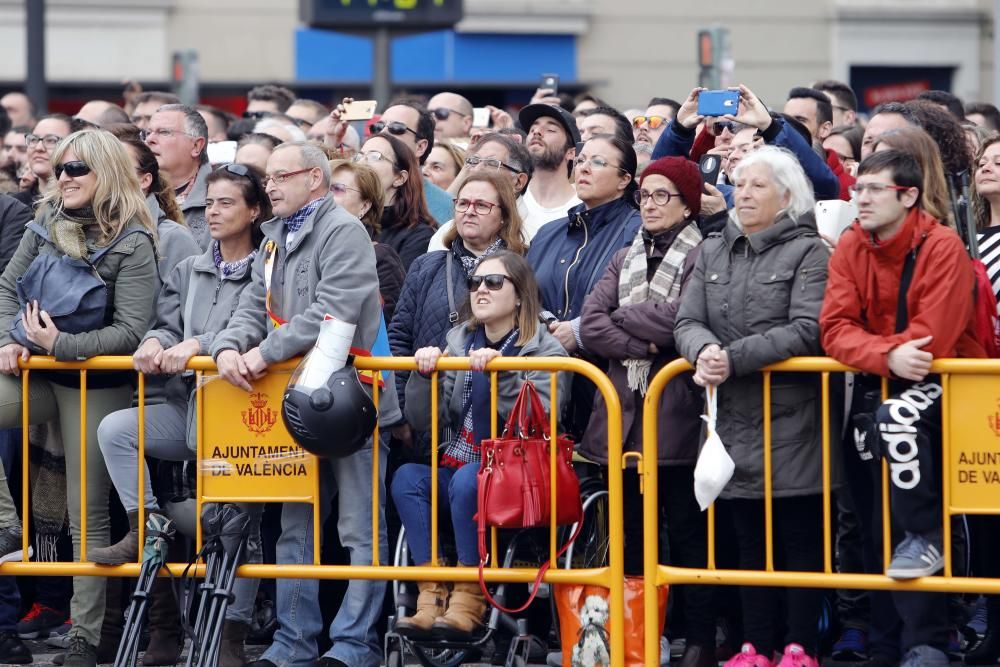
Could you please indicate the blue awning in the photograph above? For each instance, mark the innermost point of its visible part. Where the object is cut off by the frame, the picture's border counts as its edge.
(441, 56)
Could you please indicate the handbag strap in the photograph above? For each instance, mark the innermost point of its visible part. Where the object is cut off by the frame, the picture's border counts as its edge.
(527, 415)
(452, 312)
(484, 555)
(904, 286)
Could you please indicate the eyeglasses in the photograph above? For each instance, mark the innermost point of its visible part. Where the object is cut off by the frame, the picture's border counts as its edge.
(396, 127)
(371, 157)
(660, 197)
(654, 121)
(494, 282)
(474, 161)
(730, 125)
(283, 176)
(480, 206)
(302, 123)
(73, 169)
(858, 189)
(442, 113)
(595, 162)
(341, 189)
(256, 115)
(50, 141)
(161, 133)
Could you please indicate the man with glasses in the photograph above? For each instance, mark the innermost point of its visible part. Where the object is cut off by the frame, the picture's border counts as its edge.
(145, 105)
(178, 137)
(306, 113)
(842, 99)
(310, 244)
(899, 295)
(648, 126)
(498, 153)
(409, 121)
(452, 116)
(262, 101)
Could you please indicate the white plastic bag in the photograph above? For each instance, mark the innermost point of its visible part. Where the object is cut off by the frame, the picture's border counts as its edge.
(715, 467)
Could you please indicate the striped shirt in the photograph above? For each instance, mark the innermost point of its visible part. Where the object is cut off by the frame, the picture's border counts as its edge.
(989, 252)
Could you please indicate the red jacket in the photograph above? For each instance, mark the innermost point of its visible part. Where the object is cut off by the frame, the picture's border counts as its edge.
(858, 319)
(837, 167)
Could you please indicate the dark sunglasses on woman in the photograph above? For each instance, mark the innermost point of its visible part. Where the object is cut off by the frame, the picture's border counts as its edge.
(73, 169)
(494, 282)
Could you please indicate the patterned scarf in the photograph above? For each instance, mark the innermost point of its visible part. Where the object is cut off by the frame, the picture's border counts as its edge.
(475, 402)
(295, 221)
(470, 261)
(229, 268)
(665, 286)
(68, 231)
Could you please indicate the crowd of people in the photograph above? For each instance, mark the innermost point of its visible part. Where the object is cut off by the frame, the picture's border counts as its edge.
(567, 227)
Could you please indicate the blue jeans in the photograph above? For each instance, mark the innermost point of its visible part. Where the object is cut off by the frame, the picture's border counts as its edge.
(10, 596)
(355, 641)
(411, 491)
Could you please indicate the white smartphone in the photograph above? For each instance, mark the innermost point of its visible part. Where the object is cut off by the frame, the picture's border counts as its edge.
(480, 117)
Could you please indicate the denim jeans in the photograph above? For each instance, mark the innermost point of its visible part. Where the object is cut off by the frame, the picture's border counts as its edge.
(10, 597)
(411, 492)
(355, 641)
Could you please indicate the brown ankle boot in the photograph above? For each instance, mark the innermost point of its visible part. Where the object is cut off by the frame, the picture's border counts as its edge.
(128, 548)
(165, 640)
(431, 604)
(231, 652)
(465, 613)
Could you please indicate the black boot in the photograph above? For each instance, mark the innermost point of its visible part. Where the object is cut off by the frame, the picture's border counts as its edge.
(987, 650)
(12, 650)
(698, 656)
(165, 640)
(231, 652)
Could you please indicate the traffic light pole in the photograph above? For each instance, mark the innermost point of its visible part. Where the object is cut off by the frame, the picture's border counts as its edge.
(382, 67)
(35, 86)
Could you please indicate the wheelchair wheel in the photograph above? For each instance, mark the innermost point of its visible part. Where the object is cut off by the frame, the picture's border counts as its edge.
(441, 657)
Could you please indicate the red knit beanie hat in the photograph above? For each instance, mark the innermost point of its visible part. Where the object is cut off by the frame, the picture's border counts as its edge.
(683, 173)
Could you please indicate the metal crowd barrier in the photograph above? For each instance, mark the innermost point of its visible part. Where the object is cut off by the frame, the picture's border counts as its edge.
(214, 400)
(970, 414)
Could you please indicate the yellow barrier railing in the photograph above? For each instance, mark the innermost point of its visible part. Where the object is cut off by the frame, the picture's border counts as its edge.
(657, 574)
(610, 576)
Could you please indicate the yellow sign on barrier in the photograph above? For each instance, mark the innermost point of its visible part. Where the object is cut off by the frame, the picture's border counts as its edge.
(246, 451)
(975, 443)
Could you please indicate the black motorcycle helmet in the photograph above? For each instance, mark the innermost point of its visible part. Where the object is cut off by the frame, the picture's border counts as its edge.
(331, 421)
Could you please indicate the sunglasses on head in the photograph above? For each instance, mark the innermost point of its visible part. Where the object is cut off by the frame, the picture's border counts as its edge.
(73, 169)
(654, 121)
(494, 282)
(396, 127)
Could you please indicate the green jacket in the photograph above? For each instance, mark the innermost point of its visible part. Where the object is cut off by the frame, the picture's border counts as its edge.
(129, 271)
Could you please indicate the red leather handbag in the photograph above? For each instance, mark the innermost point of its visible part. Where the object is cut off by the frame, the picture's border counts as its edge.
(515, 480)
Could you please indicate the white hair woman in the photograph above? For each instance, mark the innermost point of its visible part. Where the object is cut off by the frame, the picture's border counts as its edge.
(753, 300)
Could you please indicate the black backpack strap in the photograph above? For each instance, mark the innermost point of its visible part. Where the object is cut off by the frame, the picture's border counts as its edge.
(902, 317)
(452, 312)
(99, 255)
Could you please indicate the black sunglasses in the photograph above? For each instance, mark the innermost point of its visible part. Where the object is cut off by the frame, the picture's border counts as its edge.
(442, 113)
(494, 282)
(257, 115)
(396, 127)
(73, 169)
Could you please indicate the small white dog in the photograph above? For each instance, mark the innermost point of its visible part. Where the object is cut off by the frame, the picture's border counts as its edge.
(592, 648)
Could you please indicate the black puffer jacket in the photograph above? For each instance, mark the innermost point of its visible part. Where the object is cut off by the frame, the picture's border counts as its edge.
(408, 242)
(421, 317)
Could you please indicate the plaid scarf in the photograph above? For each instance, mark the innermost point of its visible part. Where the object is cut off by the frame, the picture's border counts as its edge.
(464, 448)
(295, 221)
(665, 286)
(229, 268)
